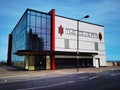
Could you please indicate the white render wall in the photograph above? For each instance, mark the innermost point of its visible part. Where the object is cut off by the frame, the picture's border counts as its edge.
(86, 44)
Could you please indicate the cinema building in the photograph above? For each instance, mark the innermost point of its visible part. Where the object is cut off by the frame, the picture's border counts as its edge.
(46, 41)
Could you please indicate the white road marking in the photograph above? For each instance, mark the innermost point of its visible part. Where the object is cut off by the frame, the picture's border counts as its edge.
(28, 78)
(9, 81)
(71, 81)
(32, 88)
(57, 84)
(71, 76)
(83, 77)
(52, 85)
(94, 77)
(115, 74)
(15, 76)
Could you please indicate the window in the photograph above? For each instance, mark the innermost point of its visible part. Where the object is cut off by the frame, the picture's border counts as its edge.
(32, 20)
(44, 15)
(38, 22)
(48, 40)
(96, 46)
(43, 22)
(33, 13)
(38, 30)
(48, 23)
(33, 29)
(44, 31)
(39, 14)
(66, 43)
(19, 41)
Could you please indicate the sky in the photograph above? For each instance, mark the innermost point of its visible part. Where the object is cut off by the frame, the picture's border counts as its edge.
(103, 12)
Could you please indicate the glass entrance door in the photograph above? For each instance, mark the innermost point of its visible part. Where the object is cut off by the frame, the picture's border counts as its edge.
(40, 62)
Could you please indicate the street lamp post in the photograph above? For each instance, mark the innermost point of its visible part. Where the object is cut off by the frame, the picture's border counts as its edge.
(87, 16)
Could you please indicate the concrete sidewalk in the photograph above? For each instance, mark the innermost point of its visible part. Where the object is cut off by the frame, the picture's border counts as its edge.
(9, 72)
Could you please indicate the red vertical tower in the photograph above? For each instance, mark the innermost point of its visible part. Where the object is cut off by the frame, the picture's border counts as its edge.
(9, 50)
(52, 12)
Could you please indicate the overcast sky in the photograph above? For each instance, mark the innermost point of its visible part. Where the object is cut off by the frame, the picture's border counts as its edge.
(103, 12)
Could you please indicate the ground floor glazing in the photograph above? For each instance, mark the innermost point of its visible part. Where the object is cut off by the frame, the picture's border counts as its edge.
(55, 60)
(45, 63)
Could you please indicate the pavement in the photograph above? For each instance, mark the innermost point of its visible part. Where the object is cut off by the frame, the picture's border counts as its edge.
(11, 72)
(103, 78)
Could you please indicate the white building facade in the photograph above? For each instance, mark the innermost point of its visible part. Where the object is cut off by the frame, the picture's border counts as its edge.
(91, 40)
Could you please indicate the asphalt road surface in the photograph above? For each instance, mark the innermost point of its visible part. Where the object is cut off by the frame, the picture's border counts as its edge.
(107, 80)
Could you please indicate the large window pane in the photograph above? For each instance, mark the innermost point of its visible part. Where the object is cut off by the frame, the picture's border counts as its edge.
(44, 15)
(38, 30)
(44, 31)
(48, 23)
(33, 13)
(39, 14)
(33, 30)
(48, 48)
(28, 12)
(44, 38)
(48, 16)
(43, 22)
(32, 20)
(48, 31)
(48, 39)
(38, 21)
(40, 35)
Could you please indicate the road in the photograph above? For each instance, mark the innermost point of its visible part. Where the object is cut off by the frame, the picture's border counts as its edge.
(107, 80)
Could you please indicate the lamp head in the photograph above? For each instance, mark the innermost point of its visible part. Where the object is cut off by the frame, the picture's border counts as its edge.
(87, 16)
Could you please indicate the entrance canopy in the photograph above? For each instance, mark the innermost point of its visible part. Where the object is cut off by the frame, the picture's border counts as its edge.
(32, 52)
